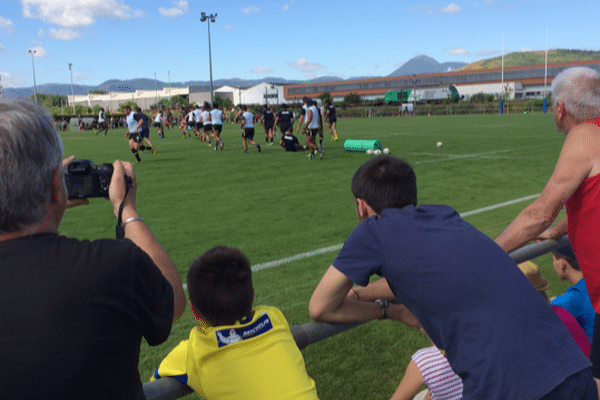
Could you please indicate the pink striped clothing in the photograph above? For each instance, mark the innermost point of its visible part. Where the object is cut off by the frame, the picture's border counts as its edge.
(442, 382)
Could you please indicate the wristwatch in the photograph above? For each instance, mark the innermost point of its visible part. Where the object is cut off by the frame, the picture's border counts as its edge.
(384, 308)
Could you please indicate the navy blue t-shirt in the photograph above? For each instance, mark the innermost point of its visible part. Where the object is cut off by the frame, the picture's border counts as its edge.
(500, 335)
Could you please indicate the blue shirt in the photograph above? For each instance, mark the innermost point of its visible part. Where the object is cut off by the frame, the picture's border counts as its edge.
(471, 298)
(216, 116)
(249, 118)
(577, 301)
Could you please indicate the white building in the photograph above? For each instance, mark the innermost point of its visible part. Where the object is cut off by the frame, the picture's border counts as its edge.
(262, 93)
(509, 89)
(258, 94)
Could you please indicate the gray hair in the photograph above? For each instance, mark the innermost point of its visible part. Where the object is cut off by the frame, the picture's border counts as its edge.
(578, 88)
(30, 151)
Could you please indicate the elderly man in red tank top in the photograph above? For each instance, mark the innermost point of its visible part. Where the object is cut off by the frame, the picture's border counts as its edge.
(575, 183)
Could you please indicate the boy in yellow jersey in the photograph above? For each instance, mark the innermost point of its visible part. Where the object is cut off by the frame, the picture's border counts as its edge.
(236, 352)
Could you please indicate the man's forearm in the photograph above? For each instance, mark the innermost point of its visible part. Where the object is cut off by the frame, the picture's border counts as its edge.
(350, 311)
(139, 233)
(526, 227)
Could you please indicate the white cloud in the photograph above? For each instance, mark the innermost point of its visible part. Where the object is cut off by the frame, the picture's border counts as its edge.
(1, 48)
(488, 52)
(261, 70)
(302, 65)
(9, 81)
(40, 33)
(376, 66)
(287, 5)
(79, 77)
(458, 51)
(427, 10)
(39, 52)
(181, 7)
(77, 13)
(229, 27)
(489, 2)
(170, 12)
(526, 49)
(451, 9)
(64, 34)
(6, 24)
(511, 6)
(250, 10)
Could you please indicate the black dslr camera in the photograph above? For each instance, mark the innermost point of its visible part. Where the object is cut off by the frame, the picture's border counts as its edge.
(85, 179)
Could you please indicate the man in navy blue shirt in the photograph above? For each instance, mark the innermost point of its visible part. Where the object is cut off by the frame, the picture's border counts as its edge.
(464, 290)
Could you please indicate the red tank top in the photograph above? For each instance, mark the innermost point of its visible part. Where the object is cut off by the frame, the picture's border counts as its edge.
(583, 211)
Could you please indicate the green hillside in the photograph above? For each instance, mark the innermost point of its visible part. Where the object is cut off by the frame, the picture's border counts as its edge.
(519, 59)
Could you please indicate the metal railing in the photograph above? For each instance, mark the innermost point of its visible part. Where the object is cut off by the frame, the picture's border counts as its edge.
(313, 332)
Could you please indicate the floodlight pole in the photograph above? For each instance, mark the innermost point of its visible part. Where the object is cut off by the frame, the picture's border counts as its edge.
(32, 52)
(414, 81)
(72, 93)
(209, 18)
(156, 91)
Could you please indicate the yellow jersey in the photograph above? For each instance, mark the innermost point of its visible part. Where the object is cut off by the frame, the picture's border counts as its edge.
(254, 359)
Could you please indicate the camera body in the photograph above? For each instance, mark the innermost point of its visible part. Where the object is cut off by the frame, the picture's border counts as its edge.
(85, 179)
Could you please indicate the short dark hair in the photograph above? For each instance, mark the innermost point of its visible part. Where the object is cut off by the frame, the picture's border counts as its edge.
(385, 182)
(220, 285)
(572, 261)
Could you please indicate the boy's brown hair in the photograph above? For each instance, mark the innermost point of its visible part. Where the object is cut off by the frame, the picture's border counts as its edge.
(220, 285)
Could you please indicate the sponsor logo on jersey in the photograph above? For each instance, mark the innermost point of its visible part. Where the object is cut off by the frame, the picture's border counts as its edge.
(234, 335)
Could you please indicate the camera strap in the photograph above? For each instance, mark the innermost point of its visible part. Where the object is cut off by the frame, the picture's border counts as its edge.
(120, 229)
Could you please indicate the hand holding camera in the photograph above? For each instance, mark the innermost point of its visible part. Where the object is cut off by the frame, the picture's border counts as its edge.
(116, 181)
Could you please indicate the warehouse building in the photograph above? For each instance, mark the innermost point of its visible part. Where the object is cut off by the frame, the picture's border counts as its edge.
(513, 82)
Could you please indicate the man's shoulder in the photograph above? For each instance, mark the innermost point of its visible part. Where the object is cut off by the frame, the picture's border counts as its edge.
(423, 209)
(586, 130)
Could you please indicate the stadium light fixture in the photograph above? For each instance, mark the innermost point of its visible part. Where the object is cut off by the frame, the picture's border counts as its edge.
(209, 18)
(415, 81)
(72, 93)
(32, 52)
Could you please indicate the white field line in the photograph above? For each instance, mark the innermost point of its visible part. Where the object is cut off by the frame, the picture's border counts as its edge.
(337, 247)
(456, 157)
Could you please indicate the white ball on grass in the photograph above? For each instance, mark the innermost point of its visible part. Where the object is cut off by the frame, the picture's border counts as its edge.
(439, 144)
(377, 151)
(386, 151)
(369, 151)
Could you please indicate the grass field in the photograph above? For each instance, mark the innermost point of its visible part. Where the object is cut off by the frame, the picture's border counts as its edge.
(275, 204)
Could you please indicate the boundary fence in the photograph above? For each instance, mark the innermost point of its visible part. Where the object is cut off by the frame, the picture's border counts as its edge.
(313, 332)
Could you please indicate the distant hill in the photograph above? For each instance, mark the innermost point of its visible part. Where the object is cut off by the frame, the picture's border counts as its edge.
(131, 85)
(417, 65)
(425, 65)
(520, 59)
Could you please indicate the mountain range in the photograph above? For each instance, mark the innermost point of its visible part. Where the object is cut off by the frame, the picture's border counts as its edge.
(417, 65)
(421, 64)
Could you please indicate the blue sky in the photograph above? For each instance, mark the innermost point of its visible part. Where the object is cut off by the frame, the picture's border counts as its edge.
(253, 39)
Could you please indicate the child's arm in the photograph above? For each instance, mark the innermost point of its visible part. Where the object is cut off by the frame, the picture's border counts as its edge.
(411, 383)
